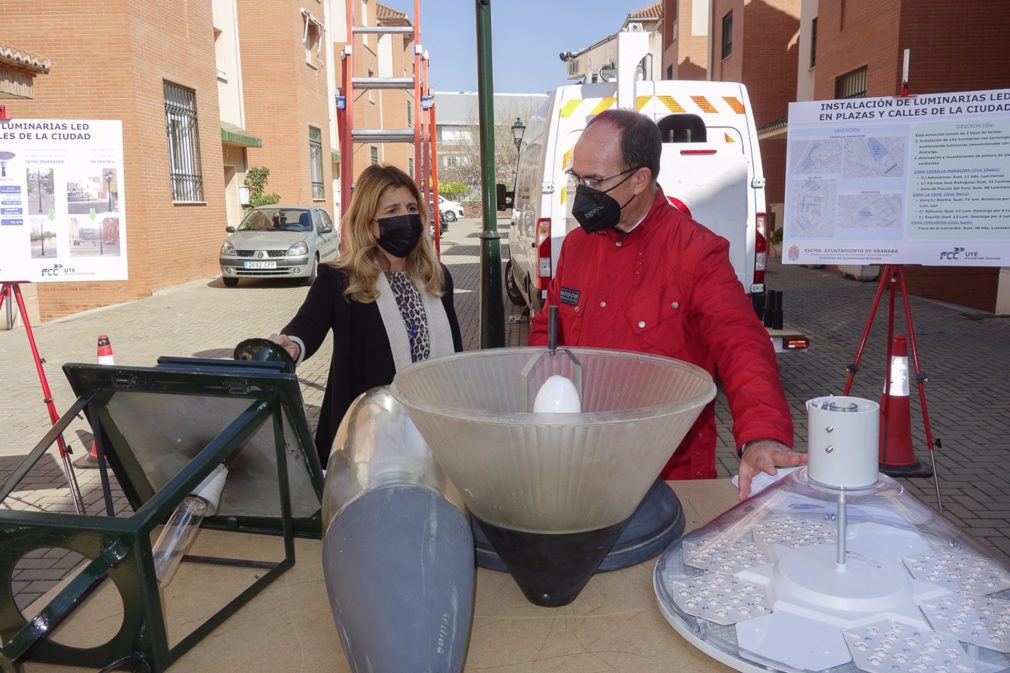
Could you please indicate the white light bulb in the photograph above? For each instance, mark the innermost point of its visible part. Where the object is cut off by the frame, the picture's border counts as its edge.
(557, 395)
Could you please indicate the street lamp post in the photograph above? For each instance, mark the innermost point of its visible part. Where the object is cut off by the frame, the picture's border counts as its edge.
(42, 227)
(108, 186)
(492, 308)
(518, 129)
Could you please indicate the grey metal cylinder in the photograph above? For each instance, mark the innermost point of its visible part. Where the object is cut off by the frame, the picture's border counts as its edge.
(398, 554)
(399, 568)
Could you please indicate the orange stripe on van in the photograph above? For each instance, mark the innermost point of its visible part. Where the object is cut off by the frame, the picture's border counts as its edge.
(605, 104)
(641, 102)
(564, 195)
(729, 138)
(670, 103)
(566, 160)
(735, 103)
(703, 103)
(568, 108)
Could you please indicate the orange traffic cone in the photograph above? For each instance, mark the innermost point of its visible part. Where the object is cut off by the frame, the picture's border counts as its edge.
(897, 457)
(105, 350)
(104, 358)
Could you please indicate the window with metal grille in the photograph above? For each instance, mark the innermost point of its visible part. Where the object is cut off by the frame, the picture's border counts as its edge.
(851, 84)
(184, 166)
(813, 42)
(410, 113)
(727, 34)
(316, 162)
(410, 167)
(375, 155)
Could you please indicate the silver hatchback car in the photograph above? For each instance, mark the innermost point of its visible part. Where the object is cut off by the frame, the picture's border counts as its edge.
(278, 242)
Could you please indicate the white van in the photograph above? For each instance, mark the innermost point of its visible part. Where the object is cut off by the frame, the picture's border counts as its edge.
(710, 166)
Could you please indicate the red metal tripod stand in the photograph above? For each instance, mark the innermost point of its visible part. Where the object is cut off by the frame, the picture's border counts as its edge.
(9, 292)
(893, 275)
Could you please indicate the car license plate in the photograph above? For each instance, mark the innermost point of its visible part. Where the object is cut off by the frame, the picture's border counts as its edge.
(261, 265)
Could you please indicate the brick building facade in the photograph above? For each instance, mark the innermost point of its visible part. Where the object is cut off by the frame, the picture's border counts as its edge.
(110, 60)
(286, 101)
(954, 46)
(685, 39)
(760, 50)
(250, 81)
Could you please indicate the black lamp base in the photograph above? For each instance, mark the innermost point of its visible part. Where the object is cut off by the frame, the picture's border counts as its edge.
(655, 525)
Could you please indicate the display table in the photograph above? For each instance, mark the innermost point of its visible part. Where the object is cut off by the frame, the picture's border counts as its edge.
(614, 624)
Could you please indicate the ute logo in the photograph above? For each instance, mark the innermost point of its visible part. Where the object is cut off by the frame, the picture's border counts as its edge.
(55, 270)
(794, 252)
(956, 254)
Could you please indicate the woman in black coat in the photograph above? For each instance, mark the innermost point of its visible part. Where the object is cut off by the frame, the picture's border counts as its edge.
(387, 300)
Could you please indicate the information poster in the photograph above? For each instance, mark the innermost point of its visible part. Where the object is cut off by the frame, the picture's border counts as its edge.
(62, 203)
(917, 180)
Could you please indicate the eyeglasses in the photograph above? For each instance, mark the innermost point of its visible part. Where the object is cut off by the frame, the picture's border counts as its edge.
(574, 180)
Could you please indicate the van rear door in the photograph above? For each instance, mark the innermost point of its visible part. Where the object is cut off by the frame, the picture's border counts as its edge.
(713, 183)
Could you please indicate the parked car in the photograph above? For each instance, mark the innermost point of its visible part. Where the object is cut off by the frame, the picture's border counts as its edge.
(278, 242)
(449, 211)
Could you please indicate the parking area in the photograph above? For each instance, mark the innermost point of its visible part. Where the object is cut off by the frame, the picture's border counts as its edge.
(963, 352)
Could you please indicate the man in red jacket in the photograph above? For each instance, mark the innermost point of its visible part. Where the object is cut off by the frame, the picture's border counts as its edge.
(639, 275)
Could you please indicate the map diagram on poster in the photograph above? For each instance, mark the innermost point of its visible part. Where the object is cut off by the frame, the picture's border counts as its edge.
(62, 202)
(917, 180)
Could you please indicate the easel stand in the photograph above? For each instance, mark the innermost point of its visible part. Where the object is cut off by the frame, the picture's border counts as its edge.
(892, 277)
(9, 292)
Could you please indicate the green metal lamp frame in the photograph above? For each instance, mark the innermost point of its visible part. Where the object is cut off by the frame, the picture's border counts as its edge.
(120, 547)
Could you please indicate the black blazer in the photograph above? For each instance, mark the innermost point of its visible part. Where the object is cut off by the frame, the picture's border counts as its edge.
(362, 358)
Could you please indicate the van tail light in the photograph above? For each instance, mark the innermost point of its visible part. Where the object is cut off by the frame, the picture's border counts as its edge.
(544, 268)
(760, 251)
(795, 343)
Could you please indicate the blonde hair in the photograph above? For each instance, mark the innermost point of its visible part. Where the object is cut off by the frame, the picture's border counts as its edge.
(361, 256)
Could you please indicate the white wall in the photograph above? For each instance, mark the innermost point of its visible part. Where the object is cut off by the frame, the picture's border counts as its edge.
(1003, 292)
(229, 64)
(385, 55)
(804, 73)
(700, 10)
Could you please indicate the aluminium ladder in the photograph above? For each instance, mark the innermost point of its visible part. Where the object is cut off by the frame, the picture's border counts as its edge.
(423, 133)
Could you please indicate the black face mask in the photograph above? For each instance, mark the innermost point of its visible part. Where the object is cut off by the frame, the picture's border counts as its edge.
(595, 210)
(398, 235)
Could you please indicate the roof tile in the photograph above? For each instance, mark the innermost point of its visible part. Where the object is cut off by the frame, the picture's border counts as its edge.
(653, 11)
(11, 56)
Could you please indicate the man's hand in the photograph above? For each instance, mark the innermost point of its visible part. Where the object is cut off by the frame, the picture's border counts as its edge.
(764, 455)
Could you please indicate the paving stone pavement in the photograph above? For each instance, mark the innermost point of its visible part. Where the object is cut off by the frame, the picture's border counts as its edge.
(964, 352)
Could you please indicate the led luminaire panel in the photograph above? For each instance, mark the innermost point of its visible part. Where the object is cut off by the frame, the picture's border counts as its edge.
(888, 647)
(959, 570)
(795, 531)
(721, 598)
(979, 620)
(884, 602)
(725, 555)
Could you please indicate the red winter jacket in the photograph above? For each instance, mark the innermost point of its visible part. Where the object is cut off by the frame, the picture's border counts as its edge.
(668, 287)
